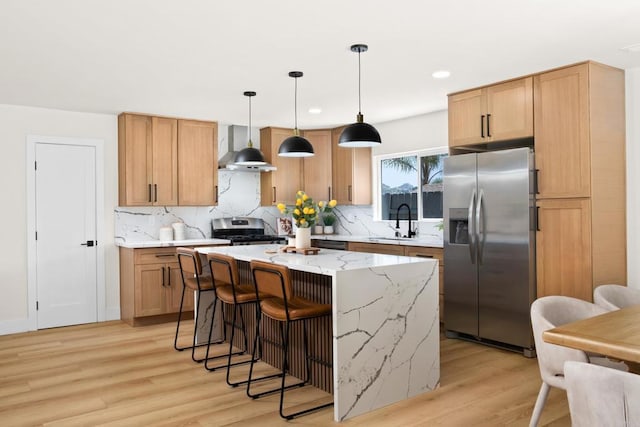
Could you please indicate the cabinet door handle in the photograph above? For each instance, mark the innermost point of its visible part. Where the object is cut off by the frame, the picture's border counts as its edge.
(274, 194)
(164, 255)
(150, 196)
(216, 195)
(155, 192)
(482, 126)
(349, 190)
(162, 276)
(536, 177)
(423, 256)
(538, 218)
(329, 188)
(169, 277)
(489, 125)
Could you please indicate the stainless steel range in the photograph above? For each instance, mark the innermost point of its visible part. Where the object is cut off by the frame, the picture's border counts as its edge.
(243, 231)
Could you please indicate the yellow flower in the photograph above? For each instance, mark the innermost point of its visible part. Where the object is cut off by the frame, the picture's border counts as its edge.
(320, 204)
(305, 197)
(299, 193)
(298, 202)
(281, 206)
(311, 211)
(332, 204)
(302, 221)
(305, 210)
(296, 211)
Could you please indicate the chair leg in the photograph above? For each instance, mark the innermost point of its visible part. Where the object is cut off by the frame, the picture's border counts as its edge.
(308, 376)
(540, 401)
(246, 346)
(175, 341)
(195, 328)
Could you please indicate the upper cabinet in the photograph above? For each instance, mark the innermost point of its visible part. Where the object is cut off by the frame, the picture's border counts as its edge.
(148, 160)
(279, 186)
(352, 179)
(166, 161)
(317, 169)
(197, 163)
(562, 132)
(494, 113)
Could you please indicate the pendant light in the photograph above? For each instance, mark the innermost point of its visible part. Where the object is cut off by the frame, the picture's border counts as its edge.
(250, 156)
(296, 145)
(359, 134)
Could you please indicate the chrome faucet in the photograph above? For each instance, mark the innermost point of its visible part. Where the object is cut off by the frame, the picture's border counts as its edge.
(410, 233)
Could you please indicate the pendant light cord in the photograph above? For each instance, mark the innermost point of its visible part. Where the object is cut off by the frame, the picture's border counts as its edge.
(359, 84)
(295, 103)
(250, 143)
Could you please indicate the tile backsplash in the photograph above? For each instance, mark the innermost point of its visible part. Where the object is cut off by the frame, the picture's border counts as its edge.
(239, 195)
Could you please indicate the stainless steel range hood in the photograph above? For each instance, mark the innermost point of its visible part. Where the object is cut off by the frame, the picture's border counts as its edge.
(226, 162)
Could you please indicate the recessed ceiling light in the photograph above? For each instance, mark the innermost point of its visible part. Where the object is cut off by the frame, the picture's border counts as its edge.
(632, 48)
(315, 110)
(441, 74)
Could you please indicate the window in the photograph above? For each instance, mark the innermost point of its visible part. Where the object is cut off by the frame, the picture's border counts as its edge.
(413, 179)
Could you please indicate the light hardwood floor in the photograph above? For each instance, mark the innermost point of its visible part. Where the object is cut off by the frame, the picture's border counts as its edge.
(113, 374)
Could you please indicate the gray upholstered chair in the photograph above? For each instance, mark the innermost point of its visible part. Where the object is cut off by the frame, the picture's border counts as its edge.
(600, 396)
(547, 313)
(614, 297)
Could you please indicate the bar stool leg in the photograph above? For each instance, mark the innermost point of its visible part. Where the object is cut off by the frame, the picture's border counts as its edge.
(175, 341)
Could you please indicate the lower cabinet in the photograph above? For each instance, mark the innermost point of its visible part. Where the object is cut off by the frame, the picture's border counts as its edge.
(416, 251)
(150, 284)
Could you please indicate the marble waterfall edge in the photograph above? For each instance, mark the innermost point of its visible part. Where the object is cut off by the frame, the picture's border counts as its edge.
(385, 359)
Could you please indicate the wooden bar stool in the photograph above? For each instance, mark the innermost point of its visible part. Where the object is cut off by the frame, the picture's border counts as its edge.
(224, 270)
(286, 308)
(193, 279)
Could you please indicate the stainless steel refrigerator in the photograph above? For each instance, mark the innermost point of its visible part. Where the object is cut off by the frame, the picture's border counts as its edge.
(489, 247)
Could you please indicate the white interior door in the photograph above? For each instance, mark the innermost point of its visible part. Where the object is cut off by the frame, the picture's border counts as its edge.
(66, 255)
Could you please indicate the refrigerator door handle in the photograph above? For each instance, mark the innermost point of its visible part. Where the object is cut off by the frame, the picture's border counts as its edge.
(471, 228)
(478, 228)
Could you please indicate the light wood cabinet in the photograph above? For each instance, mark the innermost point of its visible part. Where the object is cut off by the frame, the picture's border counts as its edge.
(352, 174)
(148, 160)
(563, 248)
(494, 113)
(150, 284)
(376, 248)
(197, 163)
(166, 162)
(580, 157)
(317, 169)
(279, 186)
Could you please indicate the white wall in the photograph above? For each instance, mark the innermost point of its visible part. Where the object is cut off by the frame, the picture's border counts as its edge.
(16, 123)
(633, 176)
(413, 133)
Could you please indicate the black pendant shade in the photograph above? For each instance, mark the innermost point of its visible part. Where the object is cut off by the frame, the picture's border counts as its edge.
(296, 145)
(359, 134)
(249, 156)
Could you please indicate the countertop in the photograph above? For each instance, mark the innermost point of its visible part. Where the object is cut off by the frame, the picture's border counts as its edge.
(429, 242)
(171, 243)
(327, 261)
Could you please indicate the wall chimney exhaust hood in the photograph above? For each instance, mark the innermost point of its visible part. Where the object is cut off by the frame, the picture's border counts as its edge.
(226, 162)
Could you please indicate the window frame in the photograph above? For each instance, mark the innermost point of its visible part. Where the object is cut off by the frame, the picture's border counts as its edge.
(377, 180)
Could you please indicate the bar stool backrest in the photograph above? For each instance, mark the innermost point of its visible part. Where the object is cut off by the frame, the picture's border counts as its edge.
(272, 279)
(189, 261)
(224, 269)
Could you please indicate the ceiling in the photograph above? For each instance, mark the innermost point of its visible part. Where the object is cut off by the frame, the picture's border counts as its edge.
(195, 58)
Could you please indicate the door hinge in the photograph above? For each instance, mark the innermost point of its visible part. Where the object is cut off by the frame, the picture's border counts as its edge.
(37, 306)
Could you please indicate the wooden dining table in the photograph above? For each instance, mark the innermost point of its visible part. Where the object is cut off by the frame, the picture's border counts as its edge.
(615, 334)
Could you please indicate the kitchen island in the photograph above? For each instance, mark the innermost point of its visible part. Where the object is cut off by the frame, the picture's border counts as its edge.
(384, 328)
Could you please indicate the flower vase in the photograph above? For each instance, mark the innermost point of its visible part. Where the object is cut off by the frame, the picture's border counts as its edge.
(328, 229)
(303, 238)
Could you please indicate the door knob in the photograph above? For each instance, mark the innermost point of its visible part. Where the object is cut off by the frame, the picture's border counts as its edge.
(89, 243)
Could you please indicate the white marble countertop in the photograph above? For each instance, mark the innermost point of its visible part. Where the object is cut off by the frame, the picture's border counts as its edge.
(170, 243)
(414, 241)
(327, 261)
